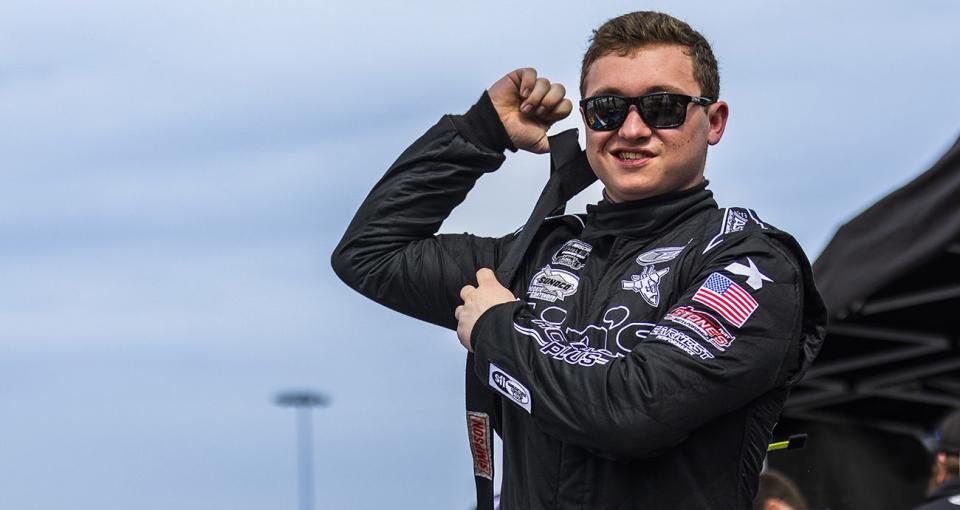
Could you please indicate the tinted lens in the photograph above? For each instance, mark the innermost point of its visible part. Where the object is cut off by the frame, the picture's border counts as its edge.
(664, 110)
(605, 113)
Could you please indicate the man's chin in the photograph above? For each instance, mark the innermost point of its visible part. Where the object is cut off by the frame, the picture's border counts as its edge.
(631, 188)
(631, 195)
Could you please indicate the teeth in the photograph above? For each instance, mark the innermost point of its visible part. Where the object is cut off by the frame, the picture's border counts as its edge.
(631, 155)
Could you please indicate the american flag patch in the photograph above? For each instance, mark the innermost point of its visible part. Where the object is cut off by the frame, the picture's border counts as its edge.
(726, 298)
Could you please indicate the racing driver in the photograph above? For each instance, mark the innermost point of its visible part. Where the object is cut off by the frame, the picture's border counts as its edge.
(640, 353)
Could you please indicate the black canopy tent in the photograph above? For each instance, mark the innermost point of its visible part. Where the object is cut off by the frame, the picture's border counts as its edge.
(891, 281)
(889, 369)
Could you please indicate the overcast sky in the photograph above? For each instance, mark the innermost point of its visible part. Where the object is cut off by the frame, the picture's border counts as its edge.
(175, 175)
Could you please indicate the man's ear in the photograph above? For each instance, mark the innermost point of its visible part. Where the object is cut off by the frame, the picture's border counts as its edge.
(717, 114)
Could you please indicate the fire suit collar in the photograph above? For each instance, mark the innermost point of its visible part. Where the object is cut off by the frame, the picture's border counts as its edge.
(647, 218)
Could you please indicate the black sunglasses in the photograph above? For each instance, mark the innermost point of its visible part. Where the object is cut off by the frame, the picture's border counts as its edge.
(661, 110)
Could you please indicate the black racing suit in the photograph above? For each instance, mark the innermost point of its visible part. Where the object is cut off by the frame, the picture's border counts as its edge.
(652, 346)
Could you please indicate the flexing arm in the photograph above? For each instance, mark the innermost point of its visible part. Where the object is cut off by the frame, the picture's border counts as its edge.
(391, 253)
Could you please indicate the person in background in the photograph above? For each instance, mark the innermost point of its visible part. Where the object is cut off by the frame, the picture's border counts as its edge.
(777, 492)
(945, 480)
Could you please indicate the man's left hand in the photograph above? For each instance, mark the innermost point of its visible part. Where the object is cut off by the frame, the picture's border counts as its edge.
(476, 300)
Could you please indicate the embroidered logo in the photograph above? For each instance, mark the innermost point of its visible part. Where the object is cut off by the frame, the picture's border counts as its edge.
(552, 284)
(647, 284)
(576, 354)
(734, 220)
(726, 298)
(659, 255)
(595, 344)
(703, 324)
(755, 278)
(682, 341)
(572, 254)
(478, 425)
(509, 387)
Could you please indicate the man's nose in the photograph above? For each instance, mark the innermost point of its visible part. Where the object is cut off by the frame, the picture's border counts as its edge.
(634, 126)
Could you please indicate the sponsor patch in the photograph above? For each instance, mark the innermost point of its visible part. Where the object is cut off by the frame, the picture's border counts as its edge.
(756, 218)
(703, 324)
(734, 220)
(659, 255)
(552, 284)
(755, 278)
(510, 387)
(726, 298)
(595, 344)
(647, 284)
(572, 254)
(478, 426)
(574, 354)
(681, 340)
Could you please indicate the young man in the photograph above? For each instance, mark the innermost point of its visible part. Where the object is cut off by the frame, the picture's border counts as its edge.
(642, 351)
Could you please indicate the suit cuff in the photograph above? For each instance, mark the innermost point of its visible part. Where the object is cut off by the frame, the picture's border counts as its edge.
(481, 126)
(489, 333)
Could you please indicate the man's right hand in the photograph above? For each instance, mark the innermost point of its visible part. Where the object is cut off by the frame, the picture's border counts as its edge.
(528, 106)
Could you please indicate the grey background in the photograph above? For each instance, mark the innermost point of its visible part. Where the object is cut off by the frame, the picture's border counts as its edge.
(175, 175)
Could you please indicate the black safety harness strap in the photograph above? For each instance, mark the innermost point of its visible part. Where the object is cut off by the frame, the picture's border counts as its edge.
(569, 174)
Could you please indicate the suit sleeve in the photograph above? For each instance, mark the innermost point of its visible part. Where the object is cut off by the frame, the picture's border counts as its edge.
(391, 252)
(698, 362)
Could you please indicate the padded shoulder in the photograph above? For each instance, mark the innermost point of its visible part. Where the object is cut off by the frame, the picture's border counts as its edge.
(734, 222)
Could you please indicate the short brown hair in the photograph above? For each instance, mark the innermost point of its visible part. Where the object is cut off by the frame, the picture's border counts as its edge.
(775, 485)
(629, 32)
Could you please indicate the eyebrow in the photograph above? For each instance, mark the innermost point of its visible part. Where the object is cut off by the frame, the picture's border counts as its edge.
(649, 90)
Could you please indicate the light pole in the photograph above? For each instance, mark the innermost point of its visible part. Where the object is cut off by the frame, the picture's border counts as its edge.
(303, 401)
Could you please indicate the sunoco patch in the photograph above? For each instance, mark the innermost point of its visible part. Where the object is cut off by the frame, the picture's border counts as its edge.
(552, 284)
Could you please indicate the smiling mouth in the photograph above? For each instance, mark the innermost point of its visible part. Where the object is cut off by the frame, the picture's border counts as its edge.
(632, 156)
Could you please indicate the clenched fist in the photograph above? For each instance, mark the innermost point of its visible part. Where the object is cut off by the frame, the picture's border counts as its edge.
(528, 106)
(477, 300)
